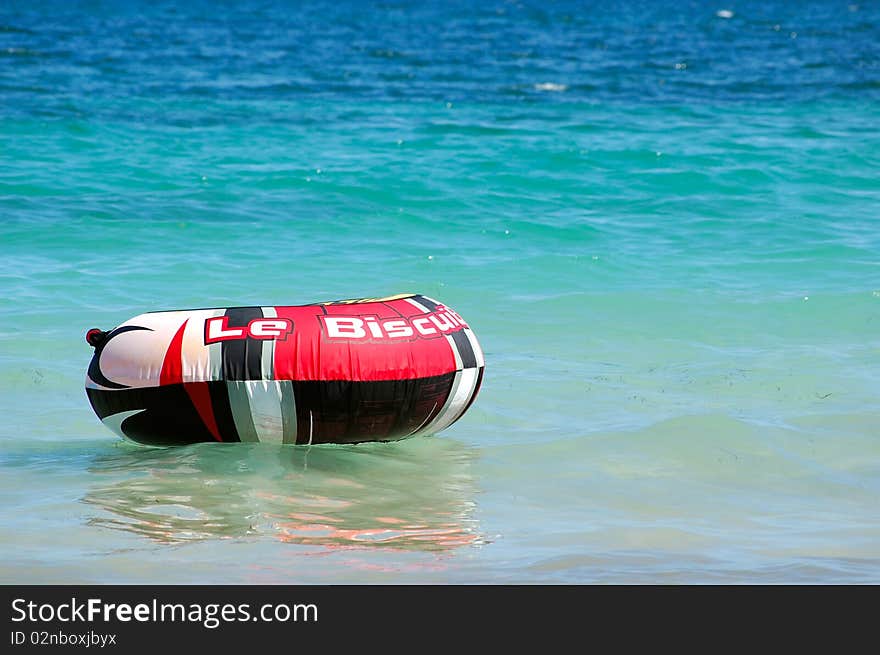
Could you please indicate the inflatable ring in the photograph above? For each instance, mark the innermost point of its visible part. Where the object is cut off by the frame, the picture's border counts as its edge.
(347, 371)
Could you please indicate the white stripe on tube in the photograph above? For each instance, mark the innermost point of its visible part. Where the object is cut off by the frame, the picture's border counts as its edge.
(455, 353)
(263, 410)
(265, 399)
(114, 421)
(478, 352)
(215, 350)
(418, 305)
(241, 409)
(462, 389)
(267, 367)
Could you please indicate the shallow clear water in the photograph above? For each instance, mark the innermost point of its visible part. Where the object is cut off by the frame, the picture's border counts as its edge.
(661, 222)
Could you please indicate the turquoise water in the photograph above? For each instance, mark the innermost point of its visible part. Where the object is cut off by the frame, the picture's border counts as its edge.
(661, 222)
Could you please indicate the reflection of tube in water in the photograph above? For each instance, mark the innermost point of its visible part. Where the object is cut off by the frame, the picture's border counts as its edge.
(415, 495)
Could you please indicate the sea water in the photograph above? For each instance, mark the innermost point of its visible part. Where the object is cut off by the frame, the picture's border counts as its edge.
(662, 221)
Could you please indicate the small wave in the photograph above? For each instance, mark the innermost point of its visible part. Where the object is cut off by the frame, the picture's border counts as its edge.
(19, 52)
(551, 86)
(12, 29)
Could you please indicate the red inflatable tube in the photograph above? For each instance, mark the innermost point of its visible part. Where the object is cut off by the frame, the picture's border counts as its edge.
(377, 369)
